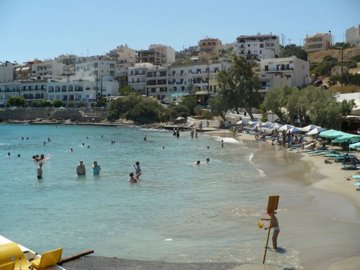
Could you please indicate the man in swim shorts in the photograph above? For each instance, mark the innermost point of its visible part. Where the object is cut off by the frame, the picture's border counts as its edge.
(274, 224)
(80, 170)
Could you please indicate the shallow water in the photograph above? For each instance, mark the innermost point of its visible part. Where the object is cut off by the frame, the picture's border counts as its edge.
(178, 212)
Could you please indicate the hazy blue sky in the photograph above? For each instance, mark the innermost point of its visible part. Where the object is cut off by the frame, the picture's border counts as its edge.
(47, 28)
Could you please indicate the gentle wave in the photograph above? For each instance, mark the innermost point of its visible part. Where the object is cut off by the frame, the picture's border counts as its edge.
(261, 172)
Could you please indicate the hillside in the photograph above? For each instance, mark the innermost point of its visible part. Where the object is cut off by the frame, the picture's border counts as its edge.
(317, 57)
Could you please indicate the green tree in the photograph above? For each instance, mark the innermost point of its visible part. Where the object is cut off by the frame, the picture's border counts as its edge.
(57, 103)
(101, 102)
(293, 50)
(238, 85)
(322, 107)
(148, 110)
(190, 102)
(218, 106)
(276, 100)
(126, 90)
(16, 101)
(324, 68)
(175, 111)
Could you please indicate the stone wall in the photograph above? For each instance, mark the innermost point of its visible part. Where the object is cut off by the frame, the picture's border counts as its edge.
(317, 57)
(73, 114)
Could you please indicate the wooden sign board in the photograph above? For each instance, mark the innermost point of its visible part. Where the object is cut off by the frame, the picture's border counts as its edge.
(273, 204)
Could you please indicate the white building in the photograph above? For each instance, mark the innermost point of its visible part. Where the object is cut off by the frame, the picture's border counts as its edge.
(353, 35)
(137, 76)
(6, 72)
(30, 90)
(48, 70)
(94, 69)
(280, 72)
(74, 91)
(162, 82)
(258, 46)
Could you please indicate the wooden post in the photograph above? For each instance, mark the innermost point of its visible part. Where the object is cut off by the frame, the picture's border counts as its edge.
(267, 241)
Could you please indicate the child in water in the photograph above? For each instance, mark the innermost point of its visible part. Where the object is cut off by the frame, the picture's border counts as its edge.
(137, 169)
(132, 179)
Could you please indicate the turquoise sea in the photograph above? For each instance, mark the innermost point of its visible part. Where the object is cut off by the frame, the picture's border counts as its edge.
(178, 212)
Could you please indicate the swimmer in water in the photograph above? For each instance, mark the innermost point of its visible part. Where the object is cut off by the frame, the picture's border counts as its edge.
(132, 179)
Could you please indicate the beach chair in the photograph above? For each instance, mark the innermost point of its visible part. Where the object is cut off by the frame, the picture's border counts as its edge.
(7, 266)
(47, 259)
(12, 256)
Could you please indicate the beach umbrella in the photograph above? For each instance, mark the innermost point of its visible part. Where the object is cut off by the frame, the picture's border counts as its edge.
(332, 133)
(267, 124)
(252, 123)
(309, 127)
(286, 127)
(315, 131)
(295, 130)
(347, 138)
(276, 126)
(355, 145)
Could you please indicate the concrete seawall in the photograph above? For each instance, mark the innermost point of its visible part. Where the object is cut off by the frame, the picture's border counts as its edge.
(73, 114)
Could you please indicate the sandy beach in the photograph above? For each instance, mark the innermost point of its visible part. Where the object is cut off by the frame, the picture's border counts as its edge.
(334, 189)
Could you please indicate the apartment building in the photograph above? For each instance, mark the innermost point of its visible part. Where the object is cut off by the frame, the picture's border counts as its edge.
(7, 71)
(258, 46)
(280, 72)
(210, 47)
(318, 42)
(94, 69)
(22, 73)
(156, 82)
(73, 91)
(353, 35)
(161, 82)
(48, 70)
(123, 55)
(137, 76)
(30, 90)
(157, 55)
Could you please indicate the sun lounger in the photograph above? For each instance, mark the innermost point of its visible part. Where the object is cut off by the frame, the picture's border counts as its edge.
(47, 259)
(356, 176)
(11, 253)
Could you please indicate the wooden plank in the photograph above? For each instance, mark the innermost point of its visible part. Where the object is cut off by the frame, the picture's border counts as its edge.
(75, 256)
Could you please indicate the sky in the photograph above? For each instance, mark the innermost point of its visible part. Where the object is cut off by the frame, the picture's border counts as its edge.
(45, 29)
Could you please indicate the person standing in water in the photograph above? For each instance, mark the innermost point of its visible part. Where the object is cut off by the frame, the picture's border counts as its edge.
(274, 224)
(80, 170)
(39, 171)
(96, 168)
(137, 169)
